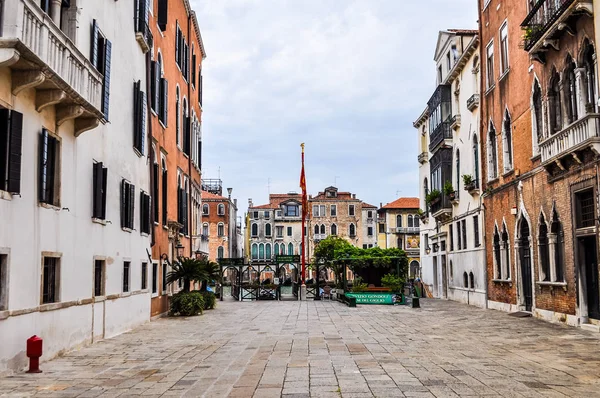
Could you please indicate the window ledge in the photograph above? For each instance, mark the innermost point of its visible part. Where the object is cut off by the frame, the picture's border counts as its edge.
(508, 172)
(508, 281)
(145, 234)
(4, 195)
(493, 180)
(99, 299)
(553, 284)
(125, 229)
(99, 221)
(137, 152)
(152, 111)
(155, 294)
(535, 157)
(490, 89)
(165, 227)
(125, 294)
(155, 223)
(162, 124)
(503, 75)
(48, 206)
(4, 314)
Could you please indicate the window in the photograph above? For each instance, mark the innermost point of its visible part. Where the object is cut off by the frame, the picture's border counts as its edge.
(154, 278)
(127, 204)
(505, 251)
(255, 230)
(464, 233)
(471, 280)
(291, 211)
(558, 241)
(268, 254)
(276, 249)
(589, 63)
(220, 229)
(537, 118)
(571, 91)
(584, 209)
(164, 277)
(507, 144)
(323, 232)
(205, 229)
(221, 209)
(398, 221)
(126, 268)
(451, 237)
(182, 204)
(448, 62)
(439, 73)
(49, 169)
(458, 236)
(370, 231)
(51, 280)
(370, 214)
(451, 270)
(282, 249)
(350, 210)
(411, 223)
(101, 50)
(476, 160)
(425, 193)
(416, 221)
(139, 118)
(504, 48)
(364, 246)
(205, 209)
(267, 215)
(352, 230)
(289, 231)
(543, 249)
(254, 251)
(267, 229)
(279, 231)
(333, 210)
(144, 284)
(177, 117)
(490, 64)
(458, 175)
(492, 153)
(465, 280)
(99, 269)
(555, 103)
(164, 192)
(381, 229)
(155, 189)
(100, 177)
(317, 229)
(3, 282)
(255, 215)
(476, 231)
(290, 249)
(315, 210)
(163, 114)
(333, 229)
(497, 255)
(220, 252)
(261, 251)
(144, 213)
(11, 135)
(163, 8)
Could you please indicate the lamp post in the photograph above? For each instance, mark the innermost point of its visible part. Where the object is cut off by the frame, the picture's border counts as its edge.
(179, 248)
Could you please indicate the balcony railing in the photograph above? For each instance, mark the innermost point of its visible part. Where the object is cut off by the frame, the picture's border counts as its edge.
(455, 122)
(407, 230)
(583, 133)
(441, 133)
(441, 209)
(143, 35)
(51, 61)
(473, 102)
(547, 14)
(423, 157)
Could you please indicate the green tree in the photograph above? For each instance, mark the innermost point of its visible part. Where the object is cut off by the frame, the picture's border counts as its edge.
(211, 271)
(188, 270)
(325, 254)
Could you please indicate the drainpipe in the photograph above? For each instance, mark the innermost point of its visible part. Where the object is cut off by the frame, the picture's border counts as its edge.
(151, 157)
(189, 131)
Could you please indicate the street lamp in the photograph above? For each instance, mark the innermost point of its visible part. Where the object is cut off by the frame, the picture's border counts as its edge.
(428, 250)
(179, 248)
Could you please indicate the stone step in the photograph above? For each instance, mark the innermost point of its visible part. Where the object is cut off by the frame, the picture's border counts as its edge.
(591, 327)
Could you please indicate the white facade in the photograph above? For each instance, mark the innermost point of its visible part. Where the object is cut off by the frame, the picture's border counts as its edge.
(369, 226)
(70, 92)
(455, 266)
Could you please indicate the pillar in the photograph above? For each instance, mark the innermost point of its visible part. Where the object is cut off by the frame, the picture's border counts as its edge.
(55, 9)
(552, 239)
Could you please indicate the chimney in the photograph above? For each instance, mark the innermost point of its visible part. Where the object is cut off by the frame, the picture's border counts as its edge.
(250, 202)
(353, 196)
(235, 203)
(229, 192)
(380, 205)
(310, 196)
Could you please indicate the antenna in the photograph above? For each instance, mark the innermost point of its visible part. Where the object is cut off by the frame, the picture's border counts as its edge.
(219, 172)
(335, 180)
(398, 192)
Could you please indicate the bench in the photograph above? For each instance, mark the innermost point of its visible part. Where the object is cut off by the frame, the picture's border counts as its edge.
(378, 289)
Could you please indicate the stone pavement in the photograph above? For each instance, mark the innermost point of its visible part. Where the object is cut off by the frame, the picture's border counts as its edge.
(324, 349)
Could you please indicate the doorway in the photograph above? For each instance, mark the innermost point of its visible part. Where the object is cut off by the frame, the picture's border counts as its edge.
(444, 278)
(525, 261)
(435, 277)
(588, 263)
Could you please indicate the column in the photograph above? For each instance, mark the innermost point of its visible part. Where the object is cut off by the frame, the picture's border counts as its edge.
(55, 9)
(580, 91)
(552, 239)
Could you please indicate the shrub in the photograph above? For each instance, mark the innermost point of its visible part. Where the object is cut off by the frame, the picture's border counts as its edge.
(210, 300)
(186, 304)
(358, 285)
(448, 188)
(392, 282)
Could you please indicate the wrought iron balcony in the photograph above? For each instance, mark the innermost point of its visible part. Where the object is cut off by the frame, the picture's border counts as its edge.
(442, 209)
(406, 230)
(473, 102)
(455, 122)
(41, 56)
(582, 134)
(143, 35)
(423, 157)
(547, 17)
(441, 133)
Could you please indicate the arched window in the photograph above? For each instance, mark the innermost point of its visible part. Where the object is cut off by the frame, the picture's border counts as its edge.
(497, 258)
(282, 249)
(410, 221)
(221, 209)
(465, 280)
(538, 126)
(221, 229)
(220, 252)
(457, 170)
(205, 209)
(507, 142)
(316, 230)
(451, 270)
(557, 242)
(290, 249)
(268, 251)
(399, 220)
(254, 230)
(425, 192)
(492, 153)
(254, 251)
(590, 76)
(352, 230)
(267, 229)
(554, 103)
(276, 249)
(471, 280)
(261, 251)
(416, 221)
(571, 91)
(399, 244)
(177, 117)
(322, 229)
(333, 229)
(476, 160)
(505, 249)
(205, 229)
(544, 249)
(165, 191)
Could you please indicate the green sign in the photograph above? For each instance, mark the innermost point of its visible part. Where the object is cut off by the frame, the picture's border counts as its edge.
(377, 298)
(287, 259)
(231, 261)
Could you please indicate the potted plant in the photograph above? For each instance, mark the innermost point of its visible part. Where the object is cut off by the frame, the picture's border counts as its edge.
(449, 190)
(469, 182)
(393, 283)
(433, 197)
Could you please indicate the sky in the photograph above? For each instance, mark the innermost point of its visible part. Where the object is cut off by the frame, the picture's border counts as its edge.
(347, 78)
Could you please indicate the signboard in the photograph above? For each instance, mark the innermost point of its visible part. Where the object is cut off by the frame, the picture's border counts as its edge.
(231, 261)
(413, 242)
(377, 298)
(287, 259)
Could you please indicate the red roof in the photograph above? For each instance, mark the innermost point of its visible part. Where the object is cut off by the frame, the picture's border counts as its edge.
(368, 206)
(403, 203)
(209, 195)
(276, 199)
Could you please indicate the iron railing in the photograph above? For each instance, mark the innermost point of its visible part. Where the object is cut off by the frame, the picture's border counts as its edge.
(541, 17)
(441, 133)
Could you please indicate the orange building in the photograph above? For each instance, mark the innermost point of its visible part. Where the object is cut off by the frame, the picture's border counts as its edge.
(175, 109)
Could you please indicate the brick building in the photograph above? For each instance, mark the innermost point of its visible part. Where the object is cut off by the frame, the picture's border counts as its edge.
(220, 226)
(175, 108)
(540, 148)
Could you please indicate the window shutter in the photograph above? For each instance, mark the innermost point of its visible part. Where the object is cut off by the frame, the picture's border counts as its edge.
(186, 137)
(163, 7)
(43, 166)
(94, 44)
(155, 193)
(142, 208)
(156, 90)
(200, 154)
(177, 47)
(106, 89)
(164, 103)
(194, 69)
(15, 132)
(144, 105)
(141, 15)
(123, 204)
(97, 194)
(153, 85)
(131, 205)
(136, 114)
(185, 213)
(200, 88)
(178, 205)
(104, 182)
(164, 197)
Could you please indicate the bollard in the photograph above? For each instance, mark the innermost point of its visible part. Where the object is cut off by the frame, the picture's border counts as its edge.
(415, 302)
(34, 352)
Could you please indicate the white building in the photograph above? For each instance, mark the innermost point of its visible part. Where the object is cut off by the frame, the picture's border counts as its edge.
(452, 252)
(74, 175)
(369, 225)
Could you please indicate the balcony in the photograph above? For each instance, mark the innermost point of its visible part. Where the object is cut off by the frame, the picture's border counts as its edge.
(473, 102)
(370, 220)
(442, 209)
(455, 122)
(406, 230)
(440, 135)
(548, 19)
(143, 35)
(41, 56)
(319, 237)
(581, 135)
(423, 157)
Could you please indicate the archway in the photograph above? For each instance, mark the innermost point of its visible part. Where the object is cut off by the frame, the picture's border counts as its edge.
(525, 264)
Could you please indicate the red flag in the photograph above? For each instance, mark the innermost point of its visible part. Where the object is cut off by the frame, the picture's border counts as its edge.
(303, 187)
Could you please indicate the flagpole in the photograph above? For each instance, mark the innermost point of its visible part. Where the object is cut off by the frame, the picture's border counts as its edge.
(303, 226)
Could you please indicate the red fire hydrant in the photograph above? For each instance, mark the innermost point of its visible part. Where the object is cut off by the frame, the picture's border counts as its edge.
(34, 352)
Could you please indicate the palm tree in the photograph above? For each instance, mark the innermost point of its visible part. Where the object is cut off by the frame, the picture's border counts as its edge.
(210, 270)
(188, 270)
